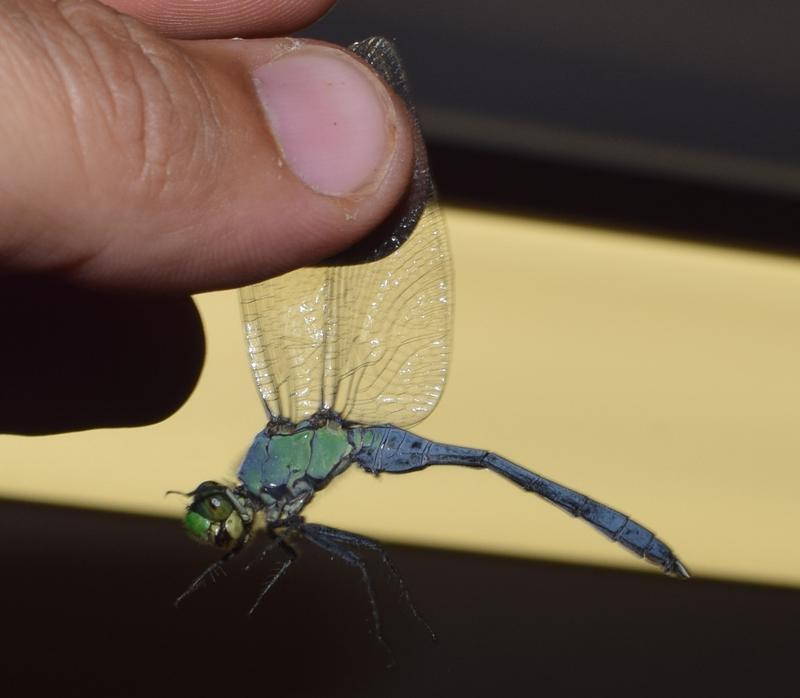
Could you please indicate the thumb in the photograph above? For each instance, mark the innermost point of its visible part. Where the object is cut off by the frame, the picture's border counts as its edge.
(134, 161)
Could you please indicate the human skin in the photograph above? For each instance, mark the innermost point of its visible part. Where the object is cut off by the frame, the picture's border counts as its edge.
(149, 151)
(146, 155)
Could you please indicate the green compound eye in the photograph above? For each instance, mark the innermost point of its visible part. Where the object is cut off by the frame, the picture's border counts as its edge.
(216, 515)
(196, 525)
(214, 507)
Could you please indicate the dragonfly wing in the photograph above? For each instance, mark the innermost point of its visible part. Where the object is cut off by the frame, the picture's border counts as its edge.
(285, 321)
(369, 341)
(394, 329)
(367, 333)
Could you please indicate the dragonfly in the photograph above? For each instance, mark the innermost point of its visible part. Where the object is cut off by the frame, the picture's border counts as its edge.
(346, 356)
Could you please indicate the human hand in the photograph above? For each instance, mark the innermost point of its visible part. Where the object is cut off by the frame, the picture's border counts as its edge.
(136, 162)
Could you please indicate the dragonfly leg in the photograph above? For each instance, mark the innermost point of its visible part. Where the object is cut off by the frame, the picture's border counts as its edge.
(210, 573)
(332, 545)
(360, 541)
(278, 541)
(274, 542)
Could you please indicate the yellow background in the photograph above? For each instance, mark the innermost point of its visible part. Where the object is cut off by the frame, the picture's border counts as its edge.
(660, 377)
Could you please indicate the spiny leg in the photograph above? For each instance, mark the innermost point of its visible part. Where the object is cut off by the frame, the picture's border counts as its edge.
(210, 572)
(332, 546)
(274, 542)
(360, 541)
(279, 541)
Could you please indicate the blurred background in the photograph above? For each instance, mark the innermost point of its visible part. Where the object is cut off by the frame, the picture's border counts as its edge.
(621, 182)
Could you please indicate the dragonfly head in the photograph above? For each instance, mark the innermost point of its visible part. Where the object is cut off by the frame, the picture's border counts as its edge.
(219, 516)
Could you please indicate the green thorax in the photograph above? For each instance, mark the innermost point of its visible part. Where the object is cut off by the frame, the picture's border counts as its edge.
(285, 468)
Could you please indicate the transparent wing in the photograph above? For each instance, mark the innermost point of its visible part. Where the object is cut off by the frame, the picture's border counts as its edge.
(369, 341)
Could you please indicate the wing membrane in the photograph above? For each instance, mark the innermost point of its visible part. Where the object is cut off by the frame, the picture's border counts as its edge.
(369, 341)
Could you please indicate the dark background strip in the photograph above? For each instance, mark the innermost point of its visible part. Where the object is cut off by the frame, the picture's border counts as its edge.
(87, 605)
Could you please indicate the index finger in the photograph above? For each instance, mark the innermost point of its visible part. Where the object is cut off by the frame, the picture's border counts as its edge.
(215, 19)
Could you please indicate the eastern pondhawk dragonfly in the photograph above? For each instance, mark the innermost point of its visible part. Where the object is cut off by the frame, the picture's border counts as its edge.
(346, 355)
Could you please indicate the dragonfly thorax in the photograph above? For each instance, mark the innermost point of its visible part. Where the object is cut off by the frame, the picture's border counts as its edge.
(286, 464)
